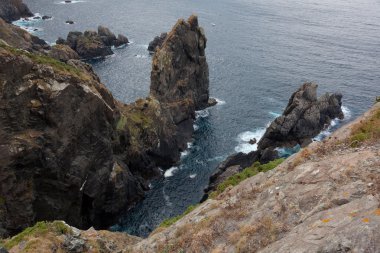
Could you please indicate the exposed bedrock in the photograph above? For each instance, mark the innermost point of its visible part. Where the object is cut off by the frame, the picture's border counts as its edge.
(304, 117)
(70, 151)
(11, 10)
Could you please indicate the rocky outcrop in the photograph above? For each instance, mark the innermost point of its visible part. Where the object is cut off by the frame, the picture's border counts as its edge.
(69, 150)
(157, 42)
(92, 44)
(180, 66)
(11, 10)
(304, 117)
(19, 38)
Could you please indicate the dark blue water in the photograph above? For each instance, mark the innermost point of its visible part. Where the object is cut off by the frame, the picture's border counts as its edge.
(259, 52)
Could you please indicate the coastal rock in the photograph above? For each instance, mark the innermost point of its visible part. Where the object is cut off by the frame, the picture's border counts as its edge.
(106, 36)
(92, 44)
(11, 10)
(180, 68)
(157, 42)
(304, 117)
(121, 40)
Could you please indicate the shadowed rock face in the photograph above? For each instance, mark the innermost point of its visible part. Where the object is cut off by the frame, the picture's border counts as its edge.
(11, 10)
(157, 42)
(179, 68)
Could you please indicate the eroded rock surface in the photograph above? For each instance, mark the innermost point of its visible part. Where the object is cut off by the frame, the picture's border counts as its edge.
(157, 42)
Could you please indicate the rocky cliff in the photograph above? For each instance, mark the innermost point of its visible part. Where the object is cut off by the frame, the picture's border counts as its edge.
(70, 151)
(326, 198)
(11, 10)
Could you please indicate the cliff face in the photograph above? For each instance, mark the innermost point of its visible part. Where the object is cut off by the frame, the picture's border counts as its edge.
(70, 151)
(11, 10)
(326, 198)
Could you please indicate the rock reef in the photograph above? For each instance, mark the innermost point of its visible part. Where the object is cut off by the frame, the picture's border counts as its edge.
(70, 151)
(92, 44)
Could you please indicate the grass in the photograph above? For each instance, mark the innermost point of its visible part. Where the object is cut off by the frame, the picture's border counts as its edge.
(168, 222)
(253, 170)
(2, 200)
(46, 60)
(40, 228)
(366, 130)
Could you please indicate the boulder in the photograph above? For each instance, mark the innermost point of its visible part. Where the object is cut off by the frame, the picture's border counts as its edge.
(157, 42)
(106, 36)
(121, 40)
(11, 10)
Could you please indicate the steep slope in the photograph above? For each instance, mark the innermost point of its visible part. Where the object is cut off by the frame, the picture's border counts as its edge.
(325, 198)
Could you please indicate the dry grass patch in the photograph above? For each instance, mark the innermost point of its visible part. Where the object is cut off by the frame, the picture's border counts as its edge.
(366, 131)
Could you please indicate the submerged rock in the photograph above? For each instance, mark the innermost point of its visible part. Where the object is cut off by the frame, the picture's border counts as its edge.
(11, 10)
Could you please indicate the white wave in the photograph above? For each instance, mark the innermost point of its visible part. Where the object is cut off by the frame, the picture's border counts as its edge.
(196, 127)
(141, 56)
(275, 114)
(72, 2)
(244, 138)
(216, 158)
(170, 172)
(202, 114)
(346, 112)
(184, 154)
(167, 198)
(193, 176)
(335, 122)
(219, 101)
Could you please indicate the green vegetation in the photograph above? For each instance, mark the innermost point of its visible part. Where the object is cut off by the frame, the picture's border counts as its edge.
(46, 60)
(39, 229)
(121, 123)
(2, 200)
(168, 222)
(366, 130)
(253, 170)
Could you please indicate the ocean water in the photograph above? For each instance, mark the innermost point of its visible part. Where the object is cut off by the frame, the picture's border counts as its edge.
(258, 51)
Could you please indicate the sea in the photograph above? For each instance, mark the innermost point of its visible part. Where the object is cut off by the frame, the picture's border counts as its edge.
(259, 52)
